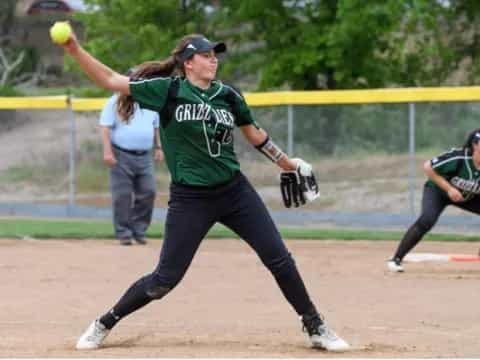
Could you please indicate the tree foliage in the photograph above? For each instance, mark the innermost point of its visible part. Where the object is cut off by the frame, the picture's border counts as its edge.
(455, 50)
(18, 62)
(319, 44)
(127, 32)
(301, 44)
(7, 11)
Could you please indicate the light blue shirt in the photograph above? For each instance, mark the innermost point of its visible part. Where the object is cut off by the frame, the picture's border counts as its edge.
(138, 134)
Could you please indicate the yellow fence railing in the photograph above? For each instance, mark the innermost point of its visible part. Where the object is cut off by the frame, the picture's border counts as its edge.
(377, 96)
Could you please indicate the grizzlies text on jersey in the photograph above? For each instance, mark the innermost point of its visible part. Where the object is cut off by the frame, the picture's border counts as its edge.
(197, 138)
(457, 167)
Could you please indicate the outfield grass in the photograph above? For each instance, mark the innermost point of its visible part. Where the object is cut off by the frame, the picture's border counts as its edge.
(87, 229)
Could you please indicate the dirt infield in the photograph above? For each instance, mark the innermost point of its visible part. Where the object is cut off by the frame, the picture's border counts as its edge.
(229, 306)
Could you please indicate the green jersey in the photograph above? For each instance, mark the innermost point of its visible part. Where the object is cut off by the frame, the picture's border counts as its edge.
(197, 131)
(457, 167)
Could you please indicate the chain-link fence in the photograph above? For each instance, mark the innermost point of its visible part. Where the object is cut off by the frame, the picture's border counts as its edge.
(367, 156)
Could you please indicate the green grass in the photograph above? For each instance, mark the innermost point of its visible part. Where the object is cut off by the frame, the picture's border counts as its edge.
(18, 173)
(87, 229)
(7, 91)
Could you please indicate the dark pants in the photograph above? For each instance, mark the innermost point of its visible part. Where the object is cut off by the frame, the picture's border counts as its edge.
(132, 184)
(433, 203)
(192, 212)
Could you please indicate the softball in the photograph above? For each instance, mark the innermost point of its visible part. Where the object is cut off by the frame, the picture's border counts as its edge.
(60, 32)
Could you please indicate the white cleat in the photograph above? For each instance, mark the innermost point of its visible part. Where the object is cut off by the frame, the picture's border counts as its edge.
(326, 339)
(93, 337)
(395, 265)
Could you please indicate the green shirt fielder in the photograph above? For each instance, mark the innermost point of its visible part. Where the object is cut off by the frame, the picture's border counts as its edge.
(457, 167)
(453, 179)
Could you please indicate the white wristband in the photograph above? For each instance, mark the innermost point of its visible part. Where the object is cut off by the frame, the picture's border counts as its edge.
(271, 150)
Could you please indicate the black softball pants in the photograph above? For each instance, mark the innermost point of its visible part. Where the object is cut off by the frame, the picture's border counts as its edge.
(192, 212)
(433, 203)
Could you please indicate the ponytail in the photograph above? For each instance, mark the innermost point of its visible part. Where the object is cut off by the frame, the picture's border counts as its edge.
(146, 70)
(151, 69)
(171, 66)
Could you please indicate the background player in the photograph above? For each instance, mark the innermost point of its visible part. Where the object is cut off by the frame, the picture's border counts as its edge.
(197, 116)
(129, 134)
(453, 179)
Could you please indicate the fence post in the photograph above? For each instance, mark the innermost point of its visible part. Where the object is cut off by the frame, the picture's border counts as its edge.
(72, 164)
(290, 130)
(411, 158)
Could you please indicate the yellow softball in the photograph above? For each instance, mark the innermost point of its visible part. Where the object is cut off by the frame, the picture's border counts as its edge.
(60, 32)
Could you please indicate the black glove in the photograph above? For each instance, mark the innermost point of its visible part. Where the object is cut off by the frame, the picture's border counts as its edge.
(299, 185)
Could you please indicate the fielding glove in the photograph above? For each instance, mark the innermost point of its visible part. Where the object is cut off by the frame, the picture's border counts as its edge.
(299, 185)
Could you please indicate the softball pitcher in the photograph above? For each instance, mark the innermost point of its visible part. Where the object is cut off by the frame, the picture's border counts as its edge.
(197, 118)
(453, 179)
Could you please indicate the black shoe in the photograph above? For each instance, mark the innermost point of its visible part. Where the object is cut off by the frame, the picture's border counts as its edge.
(141, 241)
(125, 242)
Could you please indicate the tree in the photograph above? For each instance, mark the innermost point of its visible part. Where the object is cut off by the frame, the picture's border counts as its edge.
(301, 44)
(447, 46)
(7, 15)
(318, 44)
(123, 33)
(17, 62)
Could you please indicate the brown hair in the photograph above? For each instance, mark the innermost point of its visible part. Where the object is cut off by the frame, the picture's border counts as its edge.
(151, 69)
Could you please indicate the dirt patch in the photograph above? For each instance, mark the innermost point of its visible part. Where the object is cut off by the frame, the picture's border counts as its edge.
(229, 306)
(40, 135)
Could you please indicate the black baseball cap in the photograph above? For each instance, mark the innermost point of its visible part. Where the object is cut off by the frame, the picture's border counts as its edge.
(200, 44)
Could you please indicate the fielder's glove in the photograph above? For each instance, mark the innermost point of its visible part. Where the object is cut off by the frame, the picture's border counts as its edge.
(299, 185)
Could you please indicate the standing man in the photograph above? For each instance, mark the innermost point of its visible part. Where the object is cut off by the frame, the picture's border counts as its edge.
(129, 134)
